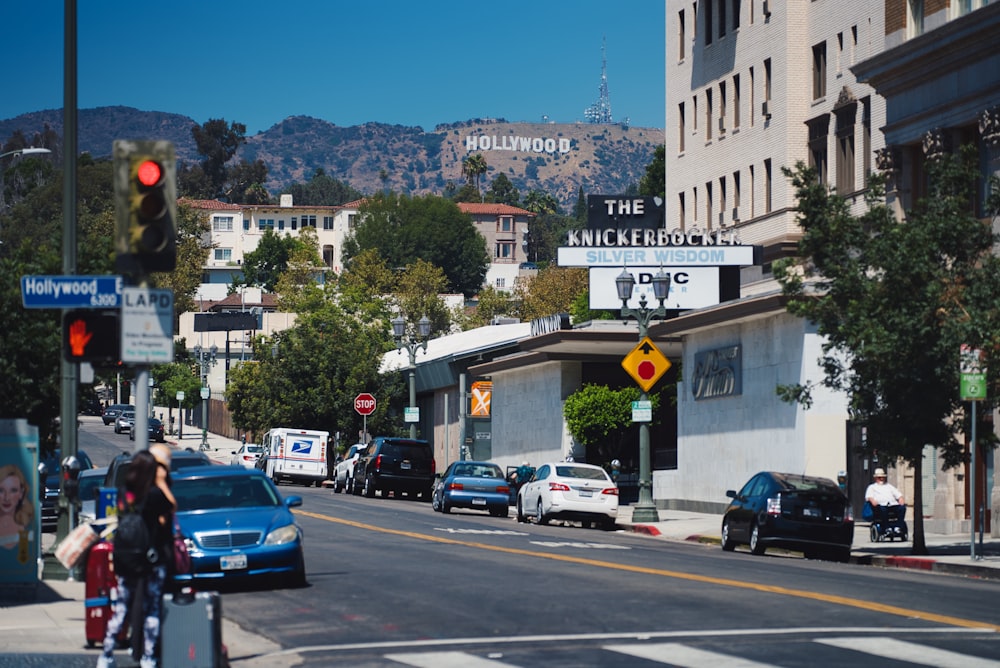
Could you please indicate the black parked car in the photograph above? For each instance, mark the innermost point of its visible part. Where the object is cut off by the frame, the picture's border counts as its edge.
(178, 459)
(395, 465)
(53, 475)
(797, 512)
(156, 432)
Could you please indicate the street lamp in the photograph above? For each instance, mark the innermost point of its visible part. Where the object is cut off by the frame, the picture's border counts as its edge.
(206, 358)
(412, 345)
(25, 151)
(645, 509)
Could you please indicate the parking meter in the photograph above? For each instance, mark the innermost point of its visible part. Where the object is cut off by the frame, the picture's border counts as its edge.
(71, 478)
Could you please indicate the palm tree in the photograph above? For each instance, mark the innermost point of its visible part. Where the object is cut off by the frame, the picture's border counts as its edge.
(473, 167)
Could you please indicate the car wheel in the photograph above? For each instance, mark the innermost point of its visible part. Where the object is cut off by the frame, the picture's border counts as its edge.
(540, 517)
(608, 524)
(369, 489)
(355, 487)
(435, 506)
(520, 513)
(756, 546)
(841, 554)
(727, 542)
(501, 512)
(445, 508)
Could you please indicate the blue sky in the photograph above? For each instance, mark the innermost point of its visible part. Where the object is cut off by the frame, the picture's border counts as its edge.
(343, 61)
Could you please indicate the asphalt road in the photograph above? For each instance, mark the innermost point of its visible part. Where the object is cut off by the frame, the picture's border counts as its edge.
(392, 583)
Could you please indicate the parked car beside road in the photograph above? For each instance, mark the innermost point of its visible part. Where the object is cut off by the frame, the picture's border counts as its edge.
(246, 455)
(124, 421)
(90, 481)
(179, 459)
(397, 465)
(156, 433)
(470, 484)
(113, 411)
(52, 467)
(796, 512)
(237, 526)
(569, 491)
(343, 471)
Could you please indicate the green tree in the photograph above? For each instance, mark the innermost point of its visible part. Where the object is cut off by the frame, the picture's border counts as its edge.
(537, 201)
(580, 210)
(297, 287)
(502, 191)
(553, 290)
(322, 190)
(263, 266)
(215, 177)
(192, 226)
(895, 299)
(490, 303)
(417, 295)
(600, 419)
(404, 229)
(653, 183)
(473, 168)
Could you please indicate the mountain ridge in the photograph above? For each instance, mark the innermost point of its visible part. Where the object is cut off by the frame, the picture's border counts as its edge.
(557, 158)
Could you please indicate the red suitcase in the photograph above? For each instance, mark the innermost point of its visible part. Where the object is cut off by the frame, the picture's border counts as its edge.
(99, 594)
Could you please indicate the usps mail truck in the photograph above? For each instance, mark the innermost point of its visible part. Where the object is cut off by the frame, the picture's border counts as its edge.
(296, 455)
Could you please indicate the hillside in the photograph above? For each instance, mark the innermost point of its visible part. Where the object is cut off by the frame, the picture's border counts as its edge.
(555, 158)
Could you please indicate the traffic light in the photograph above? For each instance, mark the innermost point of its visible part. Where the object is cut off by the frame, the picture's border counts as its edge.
(91, 336)
(145, 179)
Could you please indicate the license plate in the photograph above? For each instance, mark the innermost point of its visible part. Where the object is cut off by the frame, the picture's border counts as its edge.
(810, 512)
(478, 501)
(404, 466)
(586, 493)
(233, 562)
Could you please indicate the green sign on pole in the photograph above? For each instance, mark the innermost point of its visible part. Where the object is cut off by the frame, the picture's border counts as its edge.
(972, 374)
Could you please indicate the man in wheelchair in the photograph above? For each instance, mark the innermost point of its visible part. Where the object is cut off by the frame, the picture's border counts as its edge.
(889, 509)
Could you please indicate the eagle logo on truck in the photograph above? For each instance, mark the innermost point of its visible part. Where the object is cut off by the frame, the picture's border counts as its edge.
(301, 447)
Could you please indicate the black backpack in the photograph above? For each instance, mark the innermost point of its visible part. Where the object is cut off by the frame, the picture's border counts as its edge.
(134, 553)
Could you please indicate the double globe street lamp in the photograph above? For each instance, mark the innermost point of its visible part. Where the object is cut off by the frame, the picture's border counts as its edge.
(645, 509)
(412, 345)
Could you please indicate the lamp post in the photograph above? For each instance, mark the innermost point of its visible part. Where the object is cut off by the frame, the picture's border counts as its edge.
(25, 151)
(645, 509)
(412, 345)
(206, 358)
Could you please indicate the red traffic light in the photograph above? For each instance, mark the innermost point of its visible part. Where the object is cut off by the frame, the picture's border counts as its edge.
(149, 173)
(91, 336)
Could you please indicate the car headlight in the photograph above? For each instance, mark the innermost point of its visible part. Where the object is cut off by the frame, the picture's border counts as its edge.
(283, 535)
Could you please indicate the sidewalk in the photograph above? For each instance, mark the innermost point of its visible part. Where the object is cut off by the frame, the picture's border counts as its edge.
(948, 553)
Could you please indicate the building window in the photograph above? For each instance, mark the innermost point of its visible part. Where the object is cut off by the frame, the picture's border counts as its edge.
(767, 89)
(819, 71)
(328, 255)
(854, 44)
(722, 18)
(708, 20)
(680, 127)
(281, 224)
(736, 196)
(708, 205)
(308, 221)
(752, 98)
(736, 14)
(680, 35)
(222, 223)
(504, 251)
(295, 223)
(352, 221)
(708, 113)
(767, 186)
(223, 254)
(505, 224)
(694, 205)
(722, 107)
(845, 148)
(694, 115)
(840, 52)
(753, 195)
(265, 224)
(681, 211)
(736, 101)
(722, 200)
(327, 222)
(819, 128)
(501, 282)
(866, 138)
(914, 18)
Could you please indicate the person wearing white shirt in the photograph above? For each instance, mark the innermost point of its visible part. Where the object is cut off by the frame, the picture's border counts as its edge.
(882, 495)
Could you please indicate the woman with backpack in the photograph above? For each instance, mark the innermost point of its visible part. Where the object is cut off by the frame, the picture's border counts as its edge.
(143, 546)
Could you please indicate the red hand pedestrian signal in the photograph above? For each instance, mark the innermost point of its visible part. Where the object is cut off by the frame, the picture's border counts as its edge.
(79, 337)
(91, 336)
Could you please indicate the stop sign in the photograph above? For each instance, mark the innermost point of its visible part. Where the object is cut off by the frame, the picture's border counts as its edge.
(364, 404)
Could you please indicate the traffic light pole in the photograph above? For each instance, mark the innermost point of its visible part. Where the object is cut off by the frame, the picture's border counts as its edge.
(140, 428)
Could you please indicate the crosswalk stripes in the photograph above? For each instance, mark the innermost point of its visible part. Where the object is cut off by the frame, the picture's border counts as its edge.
(677, 654)
(920, 655)
(682, 656)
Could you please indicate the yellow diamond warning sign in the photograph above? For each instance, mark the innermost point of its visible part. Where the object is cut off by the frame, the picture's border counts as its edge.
(646, 364)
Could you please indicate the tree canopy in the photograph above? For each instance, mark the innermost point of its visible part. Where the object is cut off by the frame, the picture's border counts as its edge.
(406, 229)
(895, 299)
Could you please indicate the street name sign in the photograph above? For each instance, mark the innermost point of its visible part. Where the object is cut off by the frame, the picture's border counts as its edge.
(71, 291)
(147, 325)
(972, 374)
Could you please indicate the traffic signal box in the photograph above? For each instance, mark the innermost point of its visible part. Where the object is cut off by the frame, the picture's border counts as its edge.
(145, 179)
(91, 336)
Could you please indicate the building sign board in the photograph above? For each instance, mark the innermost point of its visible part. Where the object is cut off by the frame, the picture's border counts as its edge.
(147, 325)
(690, 287)
(717, 373)
(654, 256)
(226, 321)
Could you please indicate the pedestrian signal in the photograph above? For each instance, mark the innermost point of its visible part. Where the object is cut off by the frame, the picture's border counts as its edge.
(145, 206)
(91, 336)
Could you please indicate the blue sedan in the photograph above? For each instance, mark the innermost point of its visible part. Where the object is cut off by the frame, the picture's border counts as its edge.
(468, 484)
(237, 526)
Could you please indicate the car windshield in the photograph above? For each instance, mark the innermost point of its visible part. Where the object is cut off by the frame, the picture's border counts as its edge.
(803, 484)
(406, 451)
(580, 472)
(255, 449)
(478, 471)
(89, 485)
(229, 492)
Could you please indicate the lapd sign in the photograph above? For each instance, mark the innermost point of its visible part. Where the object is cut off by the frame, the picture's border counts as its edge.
(147, 325)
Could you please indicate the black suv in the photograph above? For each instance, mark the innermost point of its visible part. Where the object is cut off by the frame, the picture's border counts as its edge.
(397, 465)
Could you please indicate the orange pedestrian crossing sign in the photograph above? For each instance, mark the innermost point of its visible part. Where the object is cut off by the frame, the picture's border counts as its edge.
(646, 364)
(482, 394)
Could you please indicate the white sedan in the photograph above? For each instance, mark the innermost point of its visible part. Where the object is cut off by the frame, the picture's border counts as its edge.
(343, 472)
(247, 455)
(569, 491)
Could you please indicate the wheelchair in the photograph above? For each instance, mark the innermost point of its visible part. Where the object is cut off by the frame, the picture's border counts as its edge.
(893, 527)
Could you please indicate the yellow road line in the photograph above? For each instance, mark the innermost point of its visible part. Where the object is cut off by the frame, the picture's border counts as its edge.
(870, 606)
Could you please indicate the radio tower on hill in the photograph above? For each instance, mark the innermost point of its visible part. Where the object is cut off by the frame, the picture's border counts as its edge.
(600, 111)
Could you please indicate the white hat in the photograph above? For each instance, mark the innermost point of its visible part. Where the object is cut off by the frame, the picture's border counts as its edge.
(879, 473)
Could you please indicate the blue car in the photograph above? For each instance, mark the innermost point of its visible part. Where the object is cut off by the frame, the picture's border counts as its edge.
(237, 526)
(468, 484)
